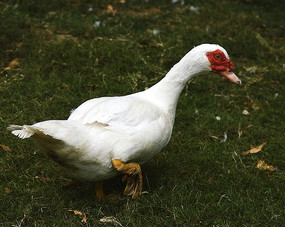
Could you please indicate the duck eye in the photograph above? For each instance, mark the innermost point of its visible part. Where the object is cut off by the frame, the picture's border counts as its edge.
(217, 56)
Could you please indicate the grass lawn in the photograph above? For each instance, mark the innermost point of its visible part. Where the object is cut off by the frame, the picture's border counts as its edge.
(57, 54)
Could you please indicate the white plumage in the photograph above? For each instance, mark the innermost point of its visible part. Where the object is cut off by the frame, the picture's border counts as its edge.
(130, 128)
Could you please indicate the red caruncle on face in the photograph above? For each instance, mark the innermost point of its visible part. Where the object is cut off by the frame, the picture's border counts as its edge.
(219, 62)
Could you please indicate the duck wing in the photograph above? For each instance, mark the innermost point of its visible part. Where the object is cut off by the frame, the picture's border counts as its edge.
(124, 111)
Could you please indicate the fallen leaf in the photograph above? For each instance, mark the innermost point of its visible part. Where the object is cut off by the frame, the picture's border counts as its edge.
(261, 165)
(61, 37)
(51, 13)
(5, 148)
(210, 180)
(8, 190)
(256, 106)
(76, 212)
(94, 86)
(43, 179)
(110, 10)
(84, 219)
(253, 149)
(13, 64)
(111, 220)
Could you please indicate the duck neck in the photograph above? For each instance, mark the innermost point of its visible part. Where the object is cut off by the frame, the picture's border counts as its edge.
(167, 91)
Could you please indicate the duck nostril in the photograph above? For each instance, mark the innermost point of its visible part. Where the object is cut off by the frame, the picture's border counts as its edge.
(238, 82)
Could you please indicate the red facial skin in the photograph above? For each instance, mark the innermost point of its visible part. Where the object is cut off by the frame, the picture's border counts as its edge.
(219, 62)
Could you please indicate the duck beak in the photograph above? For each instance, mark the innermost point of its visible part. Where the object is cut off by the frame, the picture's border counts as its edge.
(231, 76)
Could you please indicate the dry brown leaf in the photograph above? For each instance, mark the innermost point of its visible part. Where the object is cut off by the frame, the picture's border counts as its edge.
(112, 220)
(76, 212)
(110, 10)
(256, 106)
(94, 86)
(8, 190)
(5, 148)
(61, 37)
(253, 149)
(43, 179)
(261, 165)
(210, 180)
(84, 219)
(13, 64)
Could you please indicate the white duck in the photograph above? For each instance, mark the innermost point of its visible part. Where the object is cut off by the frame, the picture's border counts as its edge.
(110, 135)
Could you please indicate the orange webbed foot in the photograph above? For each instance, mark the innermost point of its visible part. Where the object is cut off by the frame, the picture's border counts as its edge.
(133, 177)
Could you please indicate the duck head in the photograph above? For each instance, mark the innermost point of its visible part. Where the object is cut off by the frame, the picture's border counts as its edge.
(215, 58)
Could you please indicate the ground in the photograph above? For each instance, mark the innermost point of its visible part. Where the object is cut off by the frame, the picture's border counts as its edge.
(57, 54)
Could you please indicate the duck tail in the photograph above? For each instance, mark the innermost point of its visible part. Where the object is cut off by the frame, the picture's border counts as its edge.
(22, 132)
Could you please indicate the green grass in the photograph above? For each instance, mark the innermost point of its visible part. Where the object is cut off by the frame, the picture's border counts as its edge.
(196, 180)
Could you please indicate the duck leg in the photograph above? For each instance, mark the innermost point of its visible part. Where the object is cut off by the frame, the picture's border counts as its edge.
(133, 177)
(100, 191)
